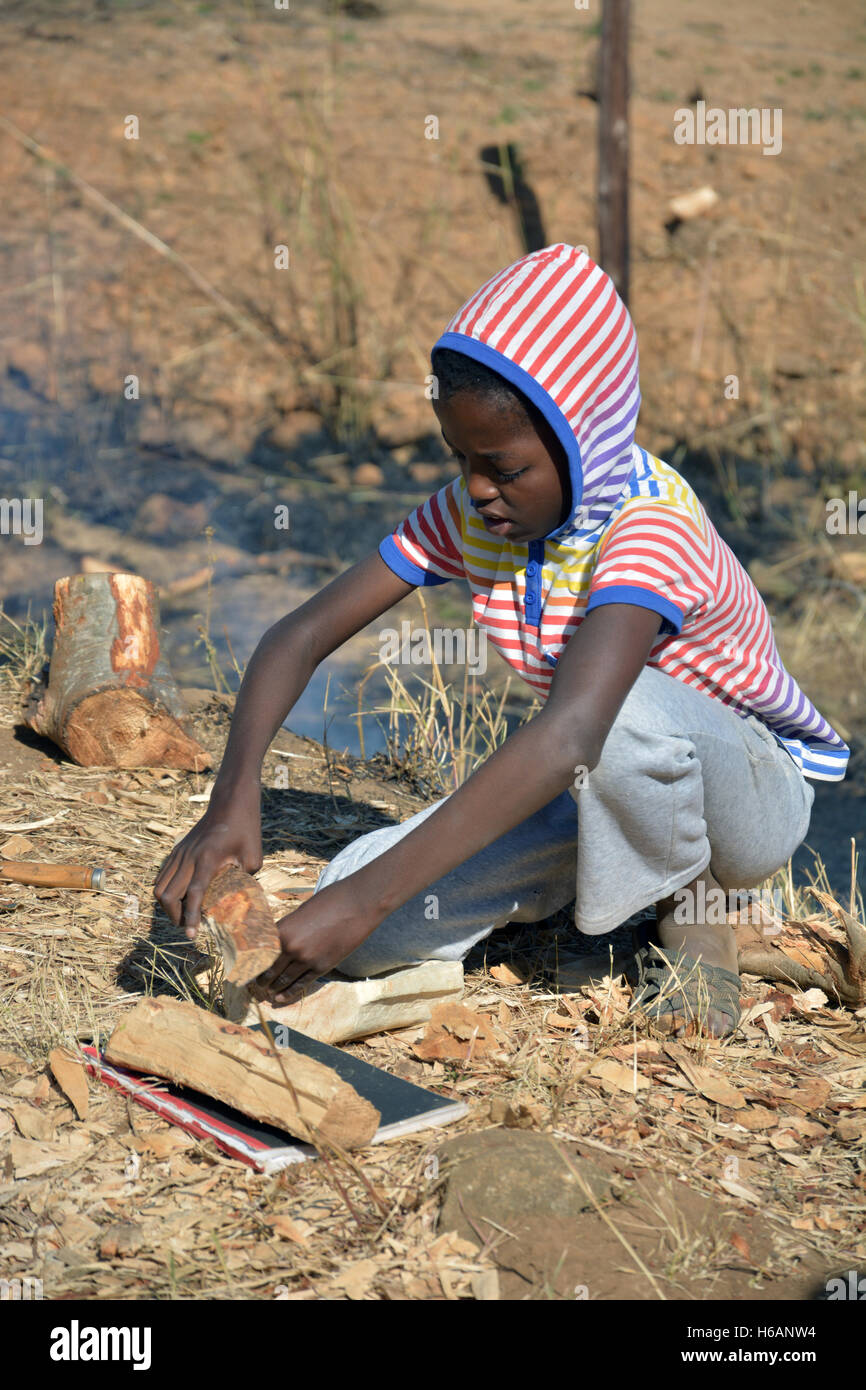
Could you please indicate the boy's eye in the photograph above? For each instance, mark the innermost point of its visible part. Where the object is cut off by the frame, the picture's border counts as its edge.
(503, 477)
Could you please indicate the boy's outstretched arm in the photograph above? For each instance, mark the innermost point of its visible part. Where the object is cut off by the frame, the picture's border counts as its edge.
(277, 674)
(537, 763)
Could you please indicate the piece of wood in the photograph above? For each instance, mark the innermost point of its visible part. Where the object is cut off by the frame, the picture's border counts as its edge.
(613, 156)
(108, 697)
(339, 1010)
(174, 1039)
(71, 1077)
(810, 955)
(237, 912)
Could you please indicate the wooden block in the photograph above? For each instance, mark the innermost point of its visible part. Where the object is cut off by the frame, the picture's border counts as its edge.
(338, 1010)
(174, 1039)
(237, 912)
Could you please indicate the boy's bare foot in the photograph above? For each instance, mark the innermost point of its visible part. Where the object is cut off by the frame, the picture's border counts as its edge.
(715, 942)
(711, 944)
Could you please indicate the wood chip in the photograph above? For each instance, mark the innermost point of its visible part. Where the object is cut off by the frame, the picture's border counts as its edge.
(508, 974)
(738, 1189)
(456, 1033)
(33, 1123)
(72, 1080)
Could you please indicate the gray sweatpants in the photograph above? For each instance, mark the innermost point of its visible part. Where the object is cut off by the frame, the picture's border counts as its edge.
(683, 782)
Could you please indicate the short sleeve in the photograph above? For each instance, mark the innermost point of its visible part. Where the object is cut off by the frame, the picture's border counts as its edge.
(427, 547)
(655, 557)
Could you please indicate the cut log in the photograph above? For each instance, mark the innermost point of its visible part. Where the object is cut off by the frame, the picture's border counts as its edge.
(108, 697)
(237, 912)
(811, 955)
(339, 1010)
(174, 1039)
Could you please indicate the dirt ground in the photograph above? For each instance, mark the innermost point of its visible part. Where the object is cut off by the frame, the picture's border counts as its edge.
(260, 128)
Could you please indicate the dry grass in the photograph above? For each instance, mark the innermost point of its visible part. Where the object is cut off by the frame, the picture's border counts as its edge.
(206, 1227)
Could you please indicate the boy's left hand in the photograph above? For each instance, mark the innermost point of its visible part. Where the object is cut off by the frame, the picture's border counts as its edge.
(316, 937)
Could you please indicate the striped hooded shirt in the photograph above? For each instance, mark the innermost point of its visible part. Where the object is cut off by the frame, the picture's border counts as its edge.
(554, 326)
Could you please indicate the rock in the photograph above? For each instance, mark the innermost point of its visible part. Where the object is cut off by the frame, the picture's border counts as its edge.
(689, 205)
(332, 468)
(368, 475)
(511, 1177)
(297, 426)
(425, 473)
(164, 516)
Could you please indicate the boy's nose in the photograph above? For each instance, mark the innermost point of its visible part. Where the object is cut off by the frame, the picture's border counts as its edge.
(481, 489)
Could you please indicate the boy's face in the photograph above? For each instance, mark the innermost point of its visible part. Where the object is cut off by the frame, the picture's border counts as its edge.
(515, 470)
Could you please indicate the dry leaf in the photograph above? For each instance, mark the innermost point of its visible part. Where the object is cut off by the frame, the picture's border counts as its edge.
(71, 1078)
(355, 1279)
(620, 1077)
(30, 1157)
(456, 1033)
(299, 1230)
(707, 1083)
(508, 975)
(17, 847)
(851, 1129)
(737, 1189)
(757, 1117)
(741, 1245)
(811, 1094)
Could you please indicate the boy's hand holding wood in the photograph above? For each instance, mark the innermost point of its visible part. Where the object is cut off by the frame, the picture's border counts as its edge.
(316, 937)
(228, 833)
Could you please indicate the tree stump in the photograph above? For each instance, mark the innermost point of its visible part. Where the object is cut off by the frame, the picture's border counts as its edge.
(108, 697)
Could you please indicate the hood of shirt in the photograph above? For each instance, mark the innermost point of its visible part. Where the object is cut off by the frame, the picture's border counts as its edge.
(554, 326)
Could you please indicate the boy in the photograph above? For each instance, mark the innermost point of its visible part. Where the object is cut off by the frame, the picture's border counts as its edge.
(673, 748)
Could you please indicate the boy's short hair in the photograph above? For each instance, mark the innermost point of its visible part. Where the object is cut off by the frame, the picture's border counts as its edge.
(455, 372)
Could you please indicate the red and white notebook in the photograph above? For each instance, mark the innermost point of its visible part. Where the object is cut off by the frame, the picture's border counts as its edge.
(403, 1106)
